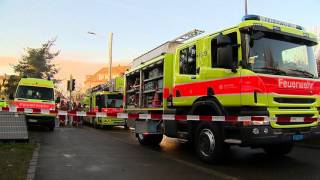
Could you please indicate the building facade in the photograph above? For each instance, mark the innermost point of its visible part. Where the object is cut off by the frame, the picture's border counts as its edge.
(102, 76)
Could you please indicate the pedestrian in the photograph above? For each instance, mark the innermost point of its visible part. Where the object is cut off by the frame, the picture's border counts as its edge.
(75, 118)
(69, 118)
(62, 118)
(80, 118)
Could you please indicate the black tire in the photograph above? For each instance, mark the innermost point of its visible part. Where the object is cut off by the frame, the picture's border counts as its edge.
(209, 144)
(51, 128)
(278, 149)
(94, 123)
(150, 139)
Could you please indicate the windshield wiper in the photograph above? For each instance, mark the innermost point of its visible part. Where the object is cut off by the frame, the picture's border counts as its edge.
(306, 73)
(274, 70)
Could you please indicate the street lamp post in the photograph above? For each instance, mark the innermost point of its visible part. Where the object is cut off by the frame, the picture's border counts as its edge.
(110, 51)
(245, 7)
(110, 54)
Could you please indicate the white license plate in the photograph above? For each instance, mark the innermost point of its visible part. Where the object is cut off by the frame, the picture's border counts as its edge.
(33, 120)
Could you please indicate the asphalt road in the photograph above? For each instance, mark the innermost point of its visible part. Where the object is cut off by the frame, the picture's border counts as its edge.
(84, 154)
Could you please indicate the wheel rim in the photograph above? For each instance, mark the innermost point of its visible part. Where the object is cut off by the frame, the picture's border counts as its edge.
(206, 142)
(140, 136)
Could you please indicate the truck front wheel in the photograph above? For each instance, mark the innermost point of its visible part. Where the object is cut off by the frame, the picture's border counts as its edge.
(149, 139)
(209, 144)
(278, 149)
(94, 123)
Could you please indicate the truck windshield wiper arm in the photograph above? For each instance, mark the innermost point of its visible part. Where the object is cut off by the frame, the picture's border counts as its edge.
(306, 73)
(277, 71)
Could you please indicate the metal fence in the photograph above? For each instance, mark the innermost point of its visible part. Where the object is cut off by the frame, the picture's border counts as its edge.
(13, 127)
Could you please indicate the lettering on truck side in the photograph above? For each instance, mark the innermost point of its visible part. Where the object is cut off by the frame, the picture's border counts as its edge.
(285, 83)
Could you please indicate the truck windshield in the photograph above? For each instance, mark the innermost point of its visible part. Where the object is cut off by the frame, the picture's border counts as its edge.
(114, 101)
(32, 92)
(109, 101)
(271, 53)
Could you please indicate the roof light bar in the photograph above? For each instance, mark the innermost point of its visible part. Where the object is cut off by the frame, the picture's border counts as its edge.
(265, 19)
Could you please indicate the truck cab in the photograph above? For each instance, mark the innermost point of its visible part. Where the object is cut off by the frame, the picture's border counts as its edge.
(36, 94)
(105, 98)
(262, 68)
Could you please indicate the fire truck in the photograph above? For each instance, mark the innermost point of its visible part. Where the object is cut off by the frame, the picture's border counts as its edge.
(106, 98)
(261, 67)
(39, 94)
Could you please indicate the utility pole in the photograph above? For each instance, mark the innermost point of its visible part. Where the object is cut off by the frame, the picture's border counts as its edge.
(70, 85)
(110, 55)
(245, 7)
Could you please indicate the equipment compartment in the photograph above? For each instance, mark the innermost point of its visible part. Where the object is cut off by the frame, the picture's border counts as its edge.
(152, 85)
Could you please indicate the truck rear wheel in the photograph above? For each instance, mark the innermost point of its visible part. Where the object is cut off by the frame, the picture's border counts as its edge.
(149, 139)
(209, 143)
(278, 149)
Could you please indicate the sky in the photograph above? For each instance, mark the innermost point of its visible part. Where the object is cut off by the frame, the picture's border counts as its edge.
(137, 25)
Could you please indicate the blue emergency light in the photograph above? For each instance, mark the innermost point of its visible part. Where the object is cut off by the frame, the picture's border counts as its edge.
(270, 20)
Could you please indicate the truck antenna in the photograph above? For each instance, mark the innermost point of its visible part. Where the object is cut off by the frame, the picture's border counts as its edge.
(245, 7)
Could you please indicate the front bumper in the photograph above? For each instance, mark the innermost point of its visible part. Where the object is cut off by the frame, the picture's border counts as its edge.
(262, 135)
(111, 122)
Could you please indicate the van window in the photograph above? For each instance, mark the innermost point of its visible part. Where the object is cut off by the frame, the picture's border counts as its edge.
(32, 92)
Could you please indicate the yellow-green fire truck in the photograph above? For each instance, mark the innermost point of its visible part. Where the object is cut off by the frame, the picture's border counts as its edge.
(39, 94)
(261, 67)
(105, 98)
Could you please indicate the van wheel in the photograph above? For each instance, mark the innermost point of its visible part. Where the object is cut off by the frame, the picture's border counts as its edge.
(278, 149)
(209, 144)
(150, 139)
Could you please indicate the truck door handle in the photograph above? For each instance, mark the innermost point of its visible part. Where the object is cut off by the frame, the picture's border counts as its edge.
(193, 77)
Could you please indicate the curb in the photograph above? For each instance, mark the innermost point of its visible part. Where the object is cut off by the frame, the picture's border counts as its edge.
(33, 163)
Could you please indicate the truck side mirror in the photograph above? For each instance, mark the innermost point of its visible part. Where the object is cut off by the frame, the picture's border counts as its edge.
(11, 97)
(225, 53)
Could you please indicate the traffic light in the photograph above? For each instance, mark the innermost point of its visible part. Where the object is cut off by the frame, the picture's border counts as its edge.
(68, 86)
(73, 84)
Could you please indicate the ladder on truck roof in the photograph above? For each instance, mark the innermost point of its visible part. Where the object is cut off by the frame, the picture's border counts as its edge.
(167, 47)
